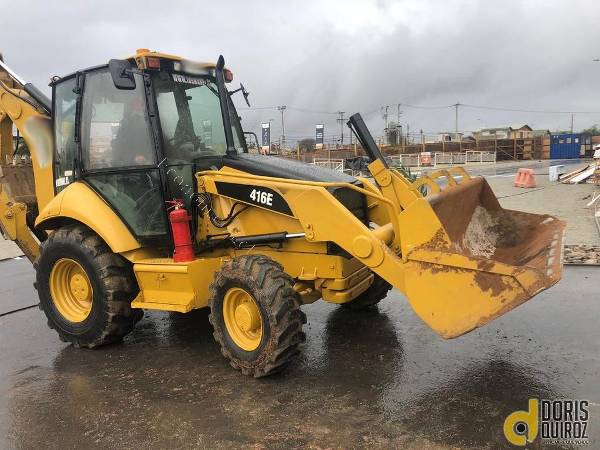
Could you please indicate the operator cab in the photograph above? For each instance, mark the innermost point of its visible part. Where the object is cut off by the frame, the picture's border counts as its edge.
(137, 130)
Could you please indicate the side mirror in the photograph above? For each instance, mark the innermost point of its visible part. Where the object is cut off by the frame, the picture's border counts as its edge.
(245, 93)
(121, 73)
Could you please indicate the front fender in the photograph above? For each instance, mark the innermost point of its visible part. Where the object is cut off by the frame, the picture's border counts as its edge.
(80, 203)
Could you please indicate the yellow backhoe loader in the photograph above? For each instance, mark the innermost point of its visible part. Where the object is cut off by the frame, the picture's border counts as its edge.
(139, 193)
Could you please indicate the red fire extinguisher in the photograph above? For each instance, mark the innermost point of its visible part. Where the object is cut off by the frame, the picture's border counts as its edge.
(180, 226)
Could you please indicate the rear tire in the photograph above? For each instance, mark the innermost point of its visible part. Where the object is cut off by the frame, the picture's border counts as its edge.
(371, 297)
(85, 289)
(270, 325)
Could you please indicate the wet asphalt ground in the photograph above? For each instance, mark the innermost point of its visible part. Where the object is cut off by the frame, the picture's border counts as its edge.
(379, 380)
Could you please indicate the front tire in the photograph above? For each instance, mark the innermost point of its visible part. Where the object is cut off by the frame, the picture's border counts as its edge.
(371, 297)
(85, 289)
(256, 315)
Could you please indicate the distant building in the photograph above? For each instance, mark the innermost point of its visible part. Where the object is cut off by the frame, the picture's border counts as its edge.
(450, 137)
(520, 132)
(541, 133)
(523, 132)
(493, 133)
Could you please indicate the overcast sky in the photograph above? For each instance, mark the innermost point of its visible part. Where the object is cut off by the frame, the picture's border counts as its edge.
(353, 56)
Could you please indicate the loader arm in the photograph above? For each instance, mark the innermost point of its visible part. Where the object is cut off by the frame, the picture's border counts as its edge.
(427, 247)
(26, 185)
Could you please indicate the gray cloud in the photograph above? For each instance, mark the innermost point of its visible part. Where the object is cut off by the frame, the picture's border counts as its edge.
(347, 55)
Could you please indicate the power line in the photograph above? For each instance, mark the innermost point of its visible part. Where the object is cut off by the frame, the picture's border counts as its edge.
(408, 105)
(536, 111)
(498, 108)
(292, 108)
(428, 107)
(311, 111)
(256, 108)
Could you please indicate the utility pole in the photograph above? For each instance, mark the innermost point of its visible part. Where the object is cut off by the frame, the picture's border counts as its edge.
(456, 105)
(398, 126)
(340, 119)
(384, 113)
(571, 123)
(282, 110)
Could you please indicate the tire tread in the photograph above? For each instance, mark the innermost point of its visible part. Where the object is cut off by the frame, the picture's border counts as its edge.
(279, 300)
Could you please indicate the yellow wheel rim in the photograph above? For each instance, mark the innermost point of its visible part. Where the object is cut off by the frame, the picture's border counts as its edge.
(71, 290)
(242, 319)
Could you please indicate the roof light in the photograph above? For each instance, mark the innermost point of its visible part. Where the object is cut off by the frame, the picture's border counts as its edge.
(153, 63)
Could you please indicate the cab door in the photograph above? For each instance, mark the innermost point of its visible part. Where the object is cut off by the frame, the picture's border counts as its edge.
(118, 155)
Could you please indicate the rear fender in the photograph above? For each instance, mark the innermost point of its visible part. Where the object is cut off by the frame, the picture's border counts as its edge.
(77, 202)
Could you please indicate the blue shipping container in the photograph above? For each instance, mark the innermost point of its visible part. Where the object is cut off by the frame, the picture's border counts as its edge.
(565, 146)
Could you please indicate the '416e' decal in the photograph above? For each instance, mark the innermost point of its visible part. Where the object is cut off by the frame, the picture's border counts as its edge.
(263, 196)
(266, 198)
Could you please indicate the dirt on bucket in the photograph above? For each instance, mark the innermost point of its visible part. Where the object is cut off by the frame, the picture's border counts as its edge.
(489, 230)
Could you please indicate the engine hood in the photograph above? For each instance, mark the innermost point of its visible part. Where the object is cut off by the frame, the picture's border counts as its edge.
(274, 166)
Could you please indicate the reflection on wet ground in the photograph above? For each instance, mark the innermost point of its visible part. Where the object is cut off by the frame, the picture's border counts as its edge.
(379, 379)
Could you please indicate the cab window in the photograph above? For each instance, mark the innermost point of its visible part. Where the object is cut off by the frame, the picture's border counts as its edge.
(116, 131)
(64, 133)
(118, 155)
(189, 109)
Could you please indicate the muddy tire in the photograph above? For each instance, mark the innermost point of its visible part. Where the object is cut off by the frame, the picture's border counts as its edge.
(371, 297)
(85, 290)
(267, 336)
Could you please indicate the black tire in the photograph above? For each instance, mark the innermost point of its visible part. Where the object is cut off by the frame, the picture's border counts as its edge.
(279, 305)
(371, 297)
(113, 283)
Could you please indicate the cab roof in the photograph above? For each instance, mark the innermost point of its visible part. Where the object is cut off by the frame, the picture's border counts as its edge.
(140, 59)
(142, 54)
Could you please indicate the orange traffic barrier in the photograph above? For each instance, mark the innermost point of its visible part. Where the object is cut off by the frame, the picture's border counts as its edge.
(525, 178)
(425, 158)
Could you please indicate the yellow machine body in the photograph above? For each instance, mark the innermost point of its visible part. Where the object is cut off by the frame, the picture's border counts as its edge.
(458, 256)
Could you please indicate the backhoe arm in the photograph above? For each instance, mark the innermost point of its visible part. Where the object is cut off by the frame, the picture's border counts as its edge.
(26, 185)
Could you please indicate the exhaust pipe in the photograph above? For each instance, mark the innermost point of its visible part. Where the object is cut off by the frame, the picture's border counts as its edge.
(362, 133)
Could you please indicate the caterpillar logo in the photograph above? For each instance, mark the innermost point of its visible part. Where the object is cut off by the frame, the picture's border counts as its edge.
(556, 421)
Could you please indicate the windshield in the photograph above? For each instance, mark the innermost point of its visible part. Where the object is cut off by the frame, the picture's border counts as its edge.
(190, 117)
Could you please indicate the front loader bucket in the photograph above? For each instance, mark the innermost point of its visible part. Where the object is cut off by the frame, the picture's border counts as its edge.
(469, 260)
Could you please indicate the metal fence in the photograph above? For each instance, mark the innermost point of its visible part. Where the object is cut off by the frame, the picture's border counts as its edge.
(333, 164)
(480, 157)
(418, 160)
(407, 160)
(442, 159)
